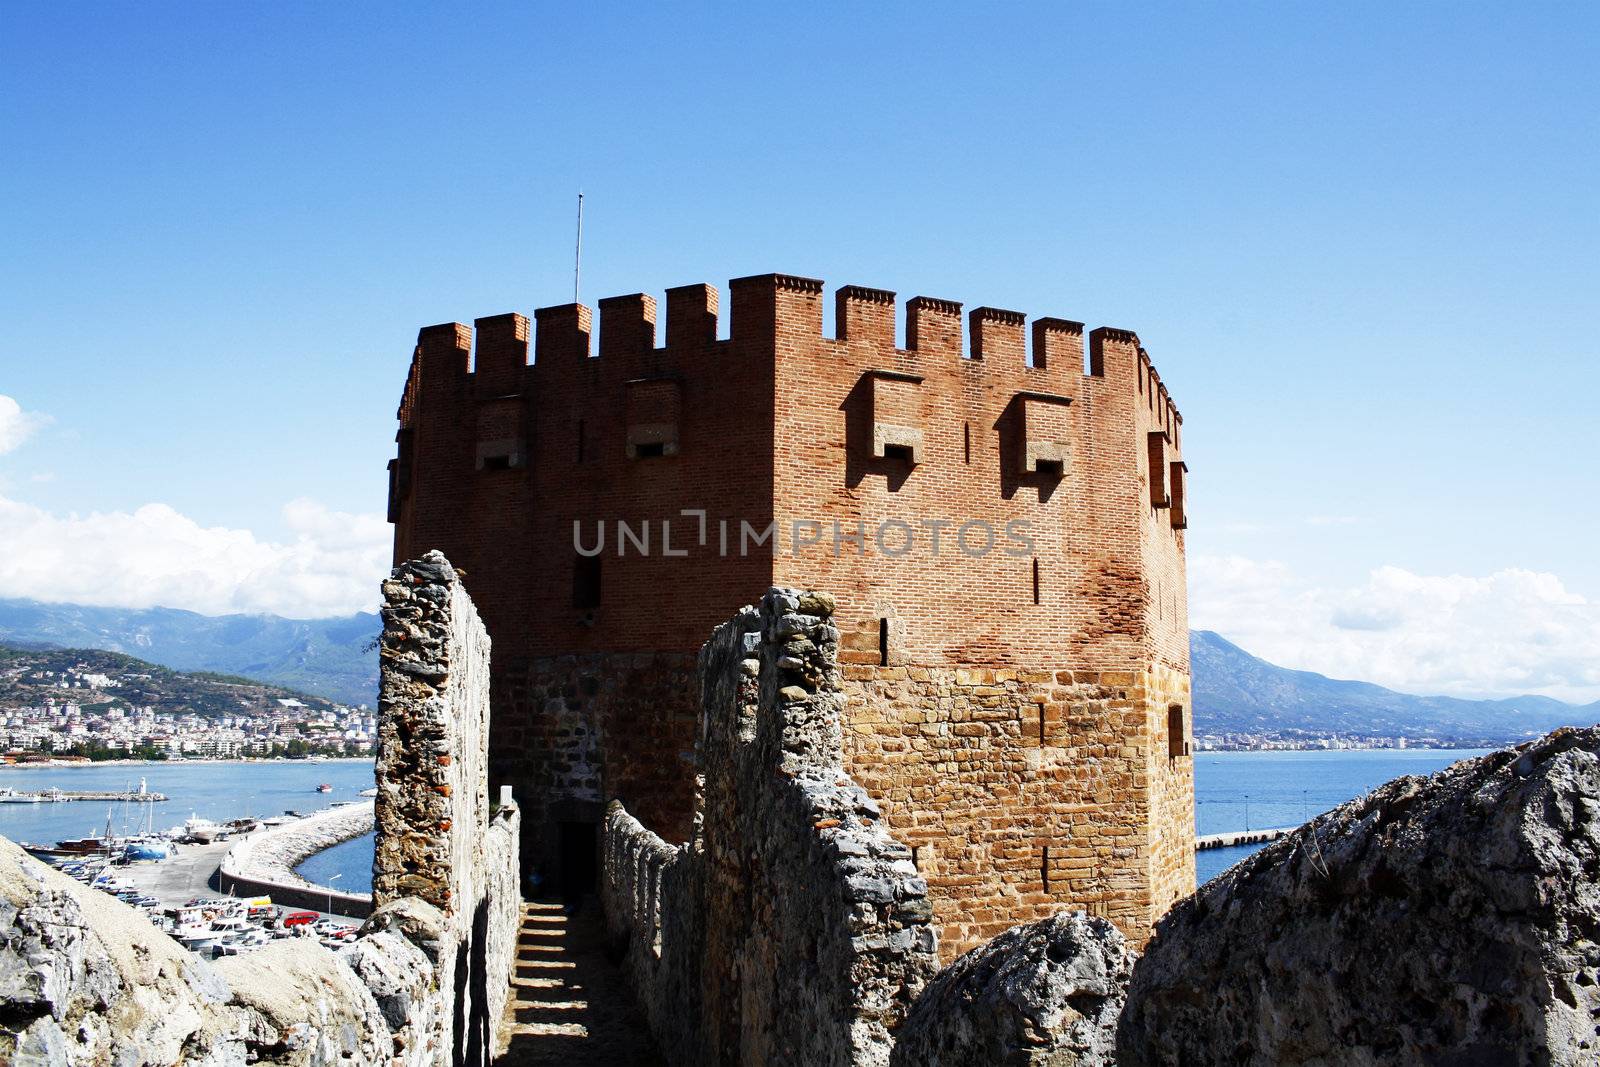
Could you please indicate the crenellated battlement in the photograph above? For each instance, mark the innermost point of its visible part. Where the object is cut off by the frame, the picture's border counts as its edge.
(998, 341)
(999, 500)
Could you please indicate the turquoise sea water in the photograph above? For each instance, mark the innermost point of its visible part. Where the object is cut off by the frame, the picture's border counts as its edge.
(350, 862)
(1233, 791)
(1241, 790)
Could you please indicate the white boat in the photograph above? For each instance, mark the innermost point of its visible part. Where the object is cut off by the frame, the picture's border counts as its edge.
(244, 942)
(199, 939)
(230, 924)
(202, 830)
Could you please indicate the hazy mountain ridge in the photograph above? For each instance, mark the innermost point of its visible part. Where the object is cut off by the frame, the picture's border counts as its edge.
(332, 658)
(1234, 692)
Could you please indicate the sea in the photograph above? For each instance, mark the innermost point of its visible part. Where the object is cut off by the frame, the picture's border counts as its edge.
(1257, 790)
(1233, 791)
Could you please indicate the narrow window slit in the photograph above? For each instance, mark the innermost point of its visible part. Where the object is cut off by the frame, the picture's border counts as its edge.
(1036, 581)
(966, 441)
(1044, 868)
(586, 583)
(883, 642)
(1177, 733)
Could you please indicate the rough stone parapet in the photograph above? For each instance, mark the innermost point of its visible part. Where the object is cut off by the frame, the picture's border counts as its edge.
(793, 926)
(86, 979)
(1040, 995)
(433, 702)
(82, 974)
(1450, 919)
(436, 838)
(264, 861)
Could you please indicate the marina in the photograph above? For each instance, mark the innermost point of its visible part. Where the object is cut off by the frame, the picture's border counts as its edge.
(166, 865)
(62, 796)
(169, 876)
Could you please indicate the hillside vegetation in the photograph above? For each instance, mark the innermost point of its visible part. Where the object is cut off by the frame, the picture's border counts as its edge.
(98, 680)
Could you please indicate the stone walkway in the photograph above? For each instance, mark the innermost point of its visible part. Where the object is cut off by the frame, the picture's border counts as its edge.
(570, 1007)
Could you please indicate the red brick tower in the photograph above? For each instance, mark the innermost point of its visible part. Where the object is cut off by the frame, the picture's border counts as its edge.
(1004, 536)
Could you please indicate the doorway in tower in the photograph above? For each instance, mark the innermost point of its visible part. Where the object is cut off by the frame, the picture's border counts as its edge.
(577, 860)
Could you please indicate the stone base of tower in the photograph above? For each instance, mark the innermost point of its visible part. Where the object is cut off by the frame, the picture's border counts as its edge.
(572, 733)
(1023, 792)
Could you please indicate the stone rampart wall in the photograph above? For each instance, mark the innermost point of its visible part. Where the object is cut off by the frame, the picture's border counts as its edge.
(436, 840)
(503, 913)
(792, 927)
(264, 861)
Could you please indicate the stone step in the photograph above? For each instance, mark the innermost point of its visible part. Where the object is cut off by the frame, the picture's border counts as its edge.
(569, 1004)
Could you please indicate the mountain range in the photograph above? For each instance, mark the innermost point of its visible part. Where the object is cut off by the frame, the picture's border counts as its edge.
(1234, 691)
(333, 658)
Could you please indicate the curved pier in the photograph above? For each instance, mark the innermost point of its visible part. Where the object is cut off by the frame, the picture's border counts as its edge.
(264, 862)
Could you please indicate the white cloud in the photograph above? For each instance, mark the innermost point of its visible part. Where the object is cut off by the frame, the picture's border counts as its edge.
(157, 556)
(1503, 634)
(16, 425)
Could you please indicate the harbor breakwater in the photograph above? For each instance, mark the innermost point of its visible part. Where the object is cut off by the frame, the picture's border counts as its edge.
(1235, 838)
(263, 863)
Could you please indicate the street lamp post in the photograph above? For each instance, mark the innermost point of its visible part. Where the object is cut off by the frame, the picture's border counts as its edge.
(1247, 813)
(332, 880)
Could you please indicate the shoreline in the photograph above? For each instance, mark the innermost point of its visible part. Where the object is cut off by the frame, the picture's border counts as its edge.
(61, 765)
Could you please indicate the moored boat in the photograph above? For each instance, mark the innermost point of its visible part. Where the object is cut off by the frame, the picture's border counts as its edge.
(147, 848)
(202, 830)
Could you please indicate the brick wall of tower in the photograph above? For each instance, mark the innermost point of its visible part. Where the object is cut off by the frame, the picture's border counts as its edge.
(500, 457)
(1018, 734)
(955, 607)
(1084, 631)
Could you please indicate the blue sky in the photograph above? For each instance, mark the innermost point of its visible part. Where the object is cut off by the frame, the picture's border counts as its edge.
(1358, 241)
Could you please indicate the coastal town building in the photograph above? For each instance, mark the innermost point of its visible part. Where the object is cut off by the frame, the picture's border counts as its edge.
(40, 731)
(137, 709)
